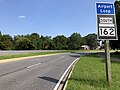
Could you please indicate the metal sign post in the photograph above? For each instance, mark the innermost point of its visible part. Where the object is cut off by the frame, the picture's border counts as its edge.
(107, 30)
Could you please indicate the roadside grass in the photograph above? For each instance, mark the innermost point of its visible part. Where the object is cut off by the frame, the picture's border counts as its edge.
(8, 56)
(89, 74)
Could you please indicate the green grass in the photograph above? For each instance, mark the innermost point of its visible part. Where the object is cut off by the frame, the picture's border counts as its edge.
(29, 54)
(89, 74)
(41, 53)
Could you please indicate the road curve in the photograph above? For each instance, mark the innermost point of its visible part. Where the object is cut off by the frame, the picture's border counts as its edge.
(41, 73)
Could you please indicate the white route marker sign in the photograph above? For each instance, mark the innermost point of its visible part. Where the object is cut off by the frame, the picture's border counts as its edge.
(106, 21)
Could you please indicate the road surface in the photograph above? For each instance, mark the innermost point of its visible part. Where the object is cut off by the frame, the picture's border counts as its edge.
(41, 73)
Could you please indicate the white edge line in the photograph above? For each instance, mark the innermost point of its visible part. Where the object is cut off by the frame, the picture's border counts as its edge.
(34, 65)
(57, 85)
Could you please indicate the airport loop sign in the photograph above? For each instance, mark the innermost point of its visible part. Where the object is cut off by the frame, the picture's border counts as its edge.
(105, 8)
(106, 21)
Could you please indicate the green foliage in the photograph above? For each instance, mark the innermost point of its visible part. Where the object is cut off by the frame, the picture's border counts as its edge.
(89, 74)
(91, 40)
(74, 42)
(30, 54)
(0, 33)
(36, 42)
(23, 43)
(6, 42)
(115, 44)
(47, 43)
(60, 42)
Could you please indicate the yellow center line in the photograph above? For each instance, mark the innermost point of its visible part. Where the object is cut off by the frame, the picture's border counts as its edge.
(23, 58)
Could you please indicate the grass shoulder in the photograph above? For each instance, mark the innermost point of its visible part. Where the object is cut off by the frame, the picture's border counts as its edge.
(89, 74)
(9, 56)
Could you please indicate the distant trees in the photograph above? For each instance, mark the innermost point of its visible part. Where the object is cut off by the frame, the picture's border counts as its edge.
(23, 43)
(91, 40)
(6, 42)
(36, 42)
(60, 42)
(74, 41)
(47, 43)
(115, 44)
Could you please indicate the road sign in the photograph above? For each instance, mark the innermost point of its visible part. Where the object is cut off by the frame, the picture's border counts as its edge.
(105, 8)
(106, 21)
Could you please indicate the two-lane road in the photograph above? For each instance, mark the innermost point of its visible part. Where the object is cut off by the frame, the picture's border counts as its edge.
(41, 73)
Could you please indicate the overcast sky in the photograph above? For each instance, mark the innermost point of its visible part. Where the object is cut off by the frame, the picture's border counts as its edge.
(48, 17)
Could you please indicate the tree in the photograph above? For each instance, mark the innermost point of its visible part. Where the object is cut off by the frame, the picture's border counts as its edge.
(23, 43)
(91, 40)
(35, 40)
(47, 43)
(60, 42)
(6, 42)
(115, 44)
(74, 41)
(0, 33)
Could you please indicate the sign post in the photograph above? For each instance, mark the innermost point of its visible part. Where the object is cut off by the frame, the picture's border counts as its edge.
(108, 63)
(106, 30)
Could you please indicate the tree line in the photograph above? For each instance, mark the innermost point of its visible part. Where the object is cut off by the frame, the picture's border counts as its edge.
(35, 41)
(115, 44)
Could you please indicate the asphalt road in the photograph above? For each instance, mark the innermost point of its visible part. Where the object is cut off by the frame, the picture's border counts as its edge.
(41, 73)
